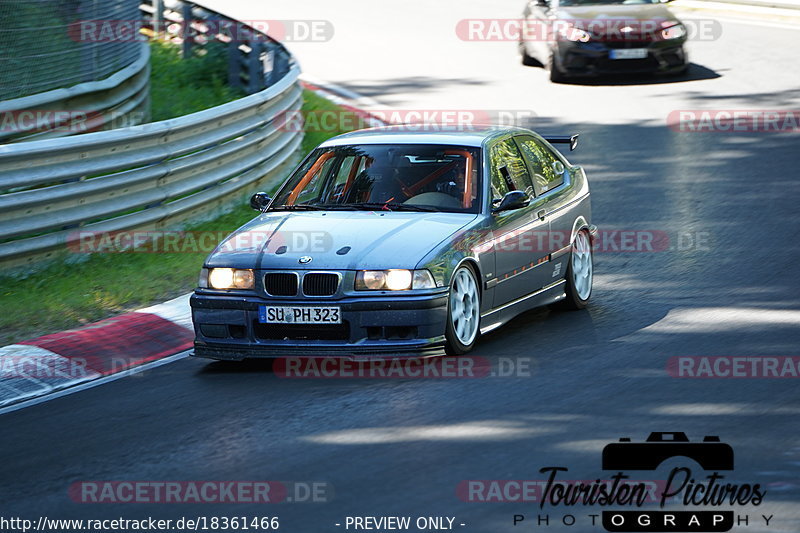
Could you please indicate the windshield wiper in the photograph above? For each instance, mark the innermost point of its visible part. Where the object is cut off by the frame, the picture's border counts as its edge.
(298, 207)
(390, 206)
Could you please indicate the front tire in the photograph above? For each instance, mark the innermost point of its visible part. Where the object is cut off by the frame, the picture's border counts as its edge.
(463, 312)
(528, 60)
(580, 273)
(555, 74)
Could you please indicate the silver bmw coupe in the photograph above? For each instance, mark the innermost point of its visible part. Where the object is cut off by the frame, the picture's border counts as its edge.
(394, 242)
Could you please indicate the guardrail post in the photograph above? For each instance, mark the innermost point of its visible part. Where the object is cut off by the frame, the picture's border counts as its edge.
(280, 64)
(88, 49)
(234, 64)
(255, 67)
(158, 17)
(188, 33)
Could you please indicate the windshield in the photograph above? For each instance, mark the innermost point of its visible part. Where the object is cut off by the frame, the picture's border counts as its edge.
(572, 3)
(401, 177)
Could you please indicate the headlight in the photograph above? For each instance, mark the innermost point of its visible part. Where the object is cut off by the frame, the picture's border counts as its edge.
(371, 280)
(230, 278)
(674, 32)
(243, 279)
(571, 33)
(393, 280)
(398, 280)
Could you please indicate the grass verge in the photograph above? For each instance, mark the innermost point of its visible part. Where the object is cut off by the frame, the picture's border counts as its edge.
(182, 86)
(64, 296)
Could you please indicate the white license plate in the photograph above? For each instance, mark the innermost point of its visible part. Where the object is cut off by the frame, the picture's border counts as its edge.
(284, 314)
(628, 53)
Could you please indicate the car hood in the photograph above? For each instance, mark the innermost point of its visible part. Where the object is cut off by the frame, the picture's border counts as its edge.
(336, 240)
(617, 11)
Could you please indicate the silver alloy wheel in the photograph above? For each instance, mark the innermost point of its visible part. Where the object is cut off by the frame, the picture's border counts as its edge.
(582, 266)
(464, 306)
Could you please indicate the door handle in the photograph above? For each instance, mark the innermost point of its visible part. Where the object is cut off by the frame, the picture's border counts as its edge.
(541, 214)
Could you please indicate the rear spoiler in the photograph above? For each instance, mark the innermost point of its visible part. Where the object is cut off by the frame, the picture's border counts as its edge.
(572, 140)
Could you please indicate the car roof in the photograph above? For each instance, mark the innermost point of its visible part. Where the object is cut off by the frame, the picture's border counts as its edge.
(422, 134)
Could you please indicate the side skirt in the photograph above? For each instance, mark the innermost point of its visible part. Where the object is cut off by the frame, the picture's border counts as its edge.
(545, 296)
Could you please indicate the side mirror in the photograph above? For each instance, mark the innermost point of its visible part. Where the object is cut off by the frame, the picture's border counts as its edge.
(512, 200)
(259, 201)
(542, 3)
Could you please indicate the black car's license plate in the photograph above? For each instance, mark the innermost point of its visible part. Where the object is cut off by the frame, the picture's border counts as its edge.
(284, 314)
(628, 53)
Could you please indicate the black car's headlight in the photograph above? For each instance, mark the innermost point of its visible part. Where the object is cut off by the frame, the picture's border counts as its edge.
(395, 279)
(227, 278)
(570, 32)
(673, 32)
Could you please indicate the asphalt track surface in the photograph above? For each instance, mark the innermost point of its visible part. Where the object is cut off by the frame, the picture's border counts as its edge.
(402, 446)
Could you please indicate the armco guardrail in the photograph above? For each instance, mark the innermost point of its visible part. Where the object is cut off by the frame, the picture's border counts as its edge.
(145, 177)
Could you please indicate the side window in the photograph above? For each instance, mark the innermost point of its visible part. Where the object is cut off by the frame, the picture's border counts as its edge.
(509, 172)
(546, 168)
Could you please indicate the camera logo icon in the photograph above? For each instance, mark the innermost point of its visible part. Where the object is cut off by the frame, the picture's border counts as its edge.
(710, 454)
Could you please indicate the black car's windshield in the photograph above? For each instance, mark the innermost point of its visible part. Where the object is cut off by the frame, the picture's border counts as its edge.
(575, 3)
(396, 177)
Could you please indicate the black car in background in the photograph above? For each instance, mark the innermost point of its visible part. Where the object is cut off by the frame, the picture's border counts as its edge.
(573, 38)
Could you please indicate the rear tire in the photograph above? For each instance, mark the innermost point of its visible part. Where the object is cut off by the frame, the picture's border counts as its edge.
(580, 273)
(463, 312)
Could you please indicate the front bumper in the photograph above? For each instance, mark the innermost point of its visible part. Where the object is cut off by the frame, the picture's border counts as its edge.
(593, 58)
(227, 327)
